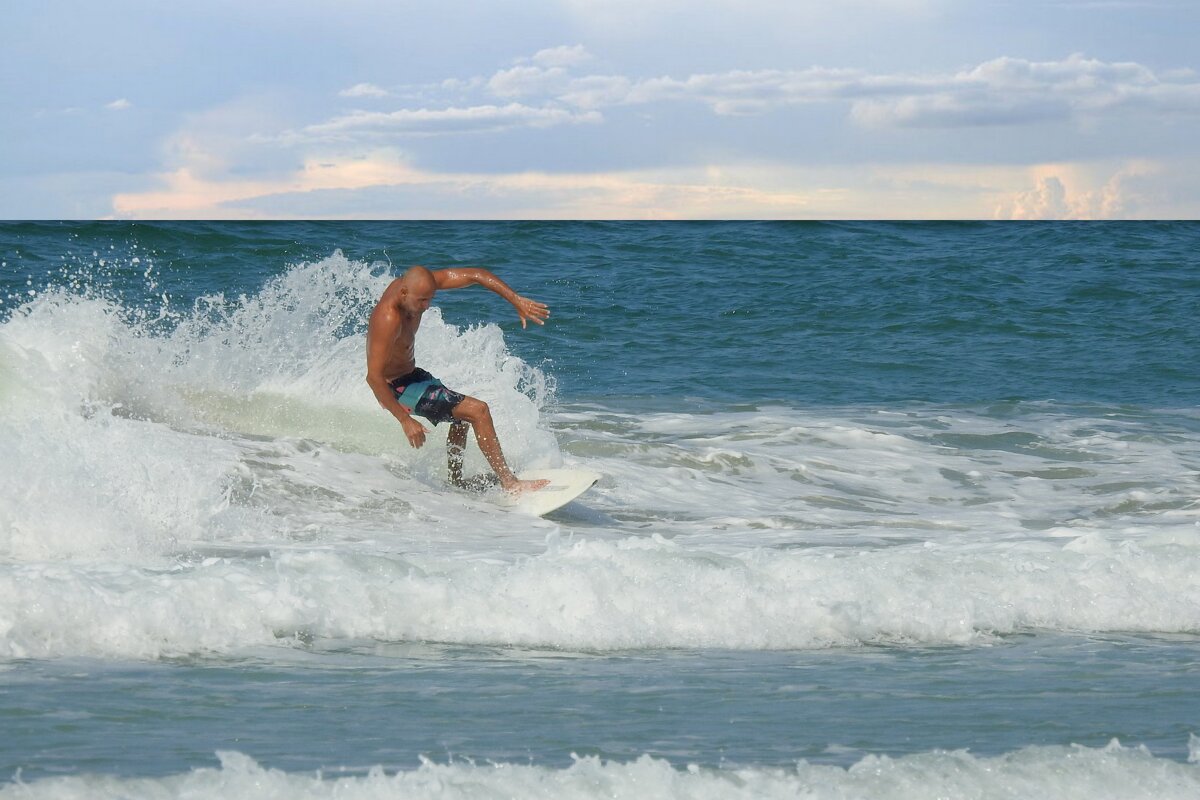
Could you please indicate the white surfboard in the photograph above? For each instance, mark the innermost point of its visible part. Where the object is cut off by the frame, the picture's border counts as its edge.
(565, 485)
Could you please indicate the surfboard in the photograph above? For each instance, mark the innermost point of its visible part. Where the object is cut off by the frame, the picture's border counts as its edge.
(565, 485)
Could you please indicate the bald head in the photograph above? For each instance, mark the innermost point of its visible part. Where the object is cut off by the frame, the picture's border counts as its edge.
(417, 288)
(418, 279)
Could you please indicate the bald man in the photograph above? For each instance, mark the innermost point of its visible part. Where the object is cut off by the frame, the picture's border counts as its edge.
(406, 390)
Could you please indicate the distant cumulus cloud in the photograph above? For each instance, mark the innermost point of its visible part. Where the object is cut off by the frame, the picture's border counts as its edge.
(363, 90)
(597, 91)
(374, 125)
(755, 91)
(525, 81)
(1063, 191)
(545, 73)
(1011, 91)
(552, 87)
(352, 162)
(1003, 91)
(882, 108)
(563, 56)
(1047, 200)
(384, 185)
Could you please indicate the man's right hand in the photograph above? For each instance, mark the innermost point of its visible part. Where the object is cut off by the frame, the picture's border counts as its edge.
(414, 430)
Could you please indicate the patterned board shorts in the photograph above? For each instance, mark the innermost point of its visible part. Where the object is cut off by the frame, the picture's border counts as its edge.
(426, 396)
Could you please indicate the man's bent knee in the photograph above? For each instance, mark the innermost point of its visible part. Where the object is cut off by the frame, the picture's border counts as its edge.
(471, 410)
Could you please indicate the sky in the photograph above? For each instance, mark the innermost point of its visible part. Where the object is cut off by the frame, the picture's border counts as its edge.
(600, 109)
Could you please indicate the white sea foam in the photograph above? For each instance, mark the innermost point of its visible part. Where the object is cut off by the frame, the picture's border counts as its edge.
(232, 483)
(591, 595)
(119, 440)
(1060, 772)
(875, 475)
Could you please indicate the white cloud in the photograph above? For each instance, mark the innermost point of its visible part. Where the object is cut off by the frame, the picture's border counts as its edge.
(349, 168)
(562, 56)
(120, 104)
(525, 81)
(1002, 91)
(385, 185)
(549, 89)
(361, 125)
(230, 137)
(363, 90)
(597, 91)
(1074, 191)
(1047, 200)
(751, 91)
(545, 73)
(1010, 91)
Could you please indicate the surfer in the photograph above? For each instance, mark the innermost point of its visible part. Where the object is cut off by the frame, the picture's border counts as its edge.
(404, 389)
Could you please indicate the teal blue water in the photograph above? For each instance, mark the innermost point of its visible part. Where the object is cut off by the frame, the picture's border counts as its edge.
(818, 313)
(870, 490)
(355, 710)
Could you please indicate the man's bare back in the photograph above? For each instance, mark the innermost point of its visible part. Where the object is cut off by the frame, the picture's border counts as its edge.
(392, 371)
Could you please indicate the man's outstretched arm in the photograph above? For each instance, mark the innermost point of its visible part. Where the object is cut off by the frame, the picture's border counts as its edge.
(457, 278)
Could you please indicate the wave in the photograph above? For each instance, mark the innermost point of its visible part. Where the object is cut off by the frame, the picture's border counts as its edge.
(131, 432)
(1113, 771)
(219, 477)
(600, 596)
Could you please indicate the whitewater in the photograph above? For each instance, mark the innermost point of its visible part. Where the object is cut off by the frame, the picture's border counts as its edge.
(199, 489)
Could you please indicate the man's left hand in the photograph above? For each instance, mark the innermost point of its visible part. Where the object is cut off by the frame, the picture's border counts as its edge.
(531, 310)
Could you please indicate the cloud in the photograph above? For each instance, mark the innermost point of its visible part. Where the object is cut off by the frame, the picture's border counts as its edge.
(1047, 200)
(1002, 91)
(1076, 192)
(119, 104)
(597, 91)
(1011, 91)
(545, 73)
(525, 81)
(236, 137)
(562, 56)
(363, 90)
(188, 192)
(349, 164)
(751, 91)
(373, 125)
(385, 185)
(552, 88)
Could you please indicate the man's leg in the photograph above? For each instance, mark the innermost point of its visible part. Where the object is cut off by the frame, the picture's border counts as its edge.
(456, 443)
(477, 413)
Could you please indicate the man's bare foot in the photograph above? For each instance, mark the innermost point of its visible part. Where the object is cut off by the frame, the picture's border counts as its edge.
(518, 486)
(477, 483)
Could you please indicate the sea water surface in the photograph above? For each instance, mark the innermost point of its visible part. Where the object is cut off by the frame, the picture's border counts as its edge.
(887, 510)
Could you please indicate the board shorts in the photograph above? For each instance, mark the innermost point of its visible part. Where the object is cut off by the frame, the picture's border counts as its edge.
(426, 396)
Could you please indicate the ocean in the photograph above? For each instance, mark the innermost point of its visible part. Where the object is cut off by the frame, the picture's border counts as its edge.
(887, 510)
